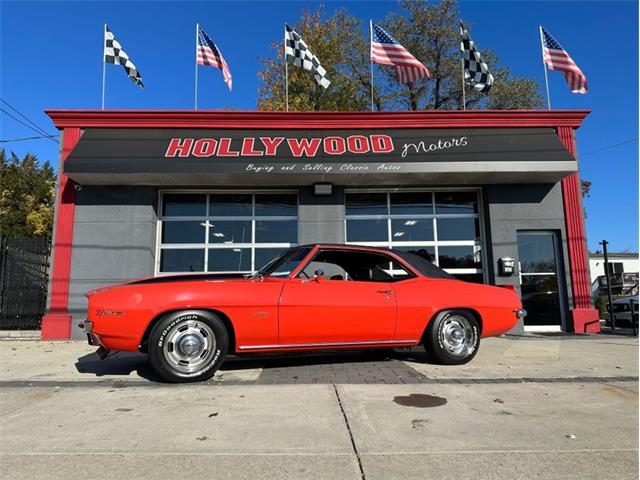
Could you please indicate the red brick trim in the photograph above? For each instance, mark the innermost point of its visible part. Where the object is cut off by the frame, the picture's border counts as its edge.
(584, 316)
(306, 120)
(57, 324)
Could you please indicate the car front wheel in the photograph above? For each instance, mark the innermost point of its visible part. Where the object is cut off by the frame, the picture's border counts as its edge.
(188, 346)
(452, 337)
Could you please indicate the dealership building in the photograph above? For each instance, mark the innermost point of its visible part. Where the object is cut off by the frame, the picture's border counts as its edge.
(490, 196)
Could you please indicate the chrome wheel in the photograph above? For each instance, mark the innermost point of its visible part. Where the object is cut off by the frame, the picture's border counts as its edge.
(189, 346)
(457, 336)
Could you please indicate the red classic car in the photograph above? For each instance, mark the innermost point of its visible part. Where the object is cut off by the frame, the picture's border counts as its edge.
(310, 297)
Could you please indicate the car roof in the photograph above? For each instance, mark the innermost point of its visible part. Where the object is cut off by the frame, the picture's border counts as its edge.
(345, 245)
(415, 262)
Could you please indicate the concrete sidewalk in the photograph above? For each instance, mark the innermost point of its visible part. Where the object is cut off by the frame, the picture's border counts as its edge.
(526, 407)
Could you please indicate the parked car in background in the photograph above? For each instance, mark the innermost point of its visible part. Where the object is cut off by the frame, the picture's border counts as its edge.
(622, 311)
(310, 297)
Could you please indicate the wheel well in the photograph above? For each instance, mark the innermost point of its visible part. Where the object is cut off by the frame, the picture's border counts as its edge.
(223, 316)
(473, 312)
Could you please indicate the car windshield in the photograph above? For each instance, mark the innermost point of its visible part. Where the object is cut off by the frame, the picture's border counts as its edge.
(285, 263)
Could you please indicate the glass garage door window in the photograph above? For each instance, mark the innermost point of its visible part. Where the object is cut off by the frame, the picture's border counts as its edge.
(224, 232)
(441, 226)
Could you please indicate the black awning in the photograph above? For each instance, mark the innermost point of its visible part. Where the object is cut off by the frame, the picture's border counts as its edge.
(138, 156)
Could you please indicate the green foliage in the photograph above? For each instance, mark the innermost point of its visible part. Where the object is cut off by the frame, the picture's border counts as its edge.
(27, 192)
(601, 305)
(430, 31)
(342, 50)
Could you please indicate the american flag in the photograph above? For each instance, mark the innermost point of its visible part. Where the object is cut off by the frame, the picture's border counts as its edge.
(208, 54)
(557, 58)
(385, 50)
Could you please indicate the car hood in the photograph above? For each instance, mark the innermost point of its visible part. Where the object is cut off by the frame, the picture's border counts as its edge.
(179, 278)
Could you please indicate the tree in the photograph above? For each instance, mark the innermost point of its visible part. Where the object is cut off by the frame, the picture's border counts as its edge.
(342, 50)
(585, 192)
(429, 31)
(27, 195)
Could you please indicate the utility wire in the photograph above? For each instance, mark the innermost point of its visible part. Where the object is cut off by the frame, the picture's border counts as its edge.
(40, 129)
(27, 138)
(50, 137)
(609, 146)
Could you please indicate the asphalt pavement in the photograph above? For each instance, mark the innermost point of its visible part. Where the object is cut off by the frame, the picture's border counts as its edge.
(562, 407)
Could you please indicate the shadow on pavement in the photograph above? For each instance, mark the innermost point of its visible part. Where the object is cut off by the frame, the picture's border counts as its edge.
(276, 368)
(118, 363)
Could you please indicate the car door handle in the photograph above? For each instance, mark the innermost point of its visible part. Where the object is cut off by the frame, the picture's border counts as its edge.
(388, 292)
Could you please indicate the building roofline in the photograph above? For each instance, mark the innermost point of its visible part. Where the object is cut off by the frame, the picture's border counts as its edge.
(232, 119)
(614, 254)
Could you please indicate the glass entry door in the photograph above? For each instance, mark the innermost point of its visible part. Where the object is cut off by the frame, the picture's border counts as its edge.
(541, 279)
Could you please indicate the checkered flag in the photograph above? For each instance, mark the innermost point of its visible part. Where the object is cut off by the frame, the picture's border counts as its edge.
(297, 52)
(113, 53)
(476, 72)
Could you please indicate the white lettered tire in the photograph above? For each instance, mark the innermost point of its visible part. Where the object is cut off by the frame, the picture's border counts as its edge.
(452, 337)
(188, 346)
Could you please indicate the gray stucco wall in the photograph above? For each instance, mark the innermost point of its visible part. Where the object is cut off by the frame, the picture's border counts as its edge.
(509, 208)
(115, 231)
(114, 240)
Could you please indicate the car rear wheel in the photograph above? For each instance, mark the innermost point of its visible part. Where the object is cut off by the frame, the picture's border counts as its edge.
(452, 337)
(188, 346)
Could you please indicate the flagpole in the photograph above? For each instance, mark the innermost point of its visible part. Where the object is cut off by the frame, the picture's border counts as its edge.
(371, 59)
(544, 65)
(104, 64)
(286, 71)
(464, 97)
(196, 77)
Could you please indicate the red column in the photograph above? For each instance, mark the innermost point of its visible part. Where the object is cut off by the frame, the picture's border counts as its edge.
(585, 318)
(56, 325)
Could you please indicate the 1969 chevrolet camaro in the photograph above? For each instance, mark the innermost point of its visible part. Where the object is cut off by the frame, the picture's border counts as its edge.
(309, 298)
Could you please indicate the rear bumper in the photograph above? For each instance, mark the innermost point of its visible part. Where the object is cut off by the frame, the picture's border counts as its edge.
(92, 338)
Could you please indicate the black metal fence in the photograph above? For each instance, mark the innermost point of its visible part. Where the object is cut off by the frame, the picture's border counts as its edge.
(24, 273)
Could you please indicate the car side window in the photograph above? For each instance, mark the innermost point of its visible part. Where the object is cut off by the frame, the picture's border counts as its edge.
(331, 271)
(354, 265)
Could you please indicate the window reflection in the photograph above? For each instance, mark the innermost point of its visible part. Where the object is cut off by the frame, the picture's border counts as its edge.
(237, 223)
(269, 231)
(428, 253)
(403, 230)
(230, 231)
(366, 204)
(460, 257)
(229, 260)
(456, 202)
(277, 204)
(537, 253)
(183, 232)
(458, 229)
(367, 231)
(408, 203)
(230, 205)
(182, 260)
(184, 205)
(422, 223)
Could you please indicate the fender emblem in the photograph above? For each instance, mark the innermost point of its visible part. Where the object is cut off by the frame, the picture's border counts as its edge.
(109, 313)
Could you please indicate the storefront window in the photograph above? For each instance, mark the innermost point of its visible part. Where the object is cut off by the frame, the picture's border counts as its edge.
(184, 206)
(443, 227)
(225, 232)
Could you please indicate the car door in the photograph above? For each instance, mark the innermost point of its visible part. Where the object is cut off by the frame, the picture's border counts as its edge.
(345, 304)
